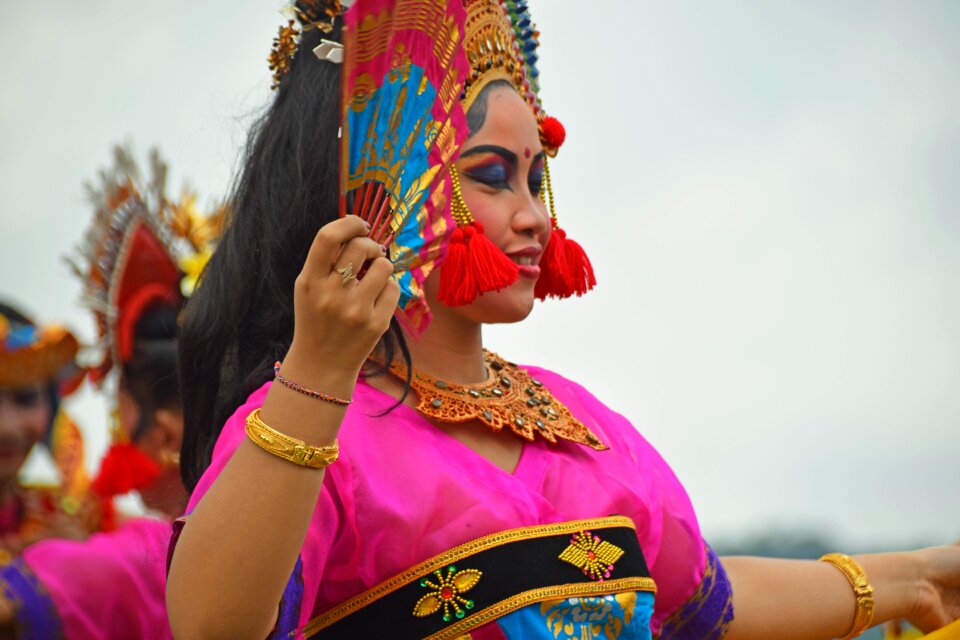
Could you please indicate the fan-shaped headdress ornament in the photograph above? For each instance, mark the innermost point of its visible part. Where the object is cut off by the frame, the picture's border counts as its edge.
(142, 251)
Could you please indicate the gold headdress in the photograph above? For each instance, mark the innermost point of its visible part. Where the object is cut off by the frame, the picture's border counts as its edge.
(492, 50)
(31, 355)
(307, 15)
(501, 44)
(141, 249)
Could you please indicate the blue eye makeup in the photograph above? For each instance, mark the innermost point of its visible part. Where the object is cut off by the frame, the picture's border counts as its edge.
(535, 181)
(493, 173)
(497, 167)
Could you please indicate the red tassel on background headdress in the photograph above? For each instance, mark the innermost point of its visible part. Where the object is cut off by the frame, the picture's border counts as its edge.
(474, 265)
(124, 469)
(565, 269)
(108, 515)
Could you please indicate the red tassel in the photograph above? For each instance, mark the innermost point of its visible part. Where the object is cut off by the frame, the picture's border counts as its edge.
(474, 265)
(552, 268)
(579, 268)
(108, 515)
(124, 469)
(565, 269)
(455, 274)
(494, 270)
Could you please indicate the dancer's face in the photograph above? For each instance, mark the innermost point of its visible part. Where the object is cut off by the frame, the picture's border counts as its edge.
(161, 440)
(501, 174)
(25, 413)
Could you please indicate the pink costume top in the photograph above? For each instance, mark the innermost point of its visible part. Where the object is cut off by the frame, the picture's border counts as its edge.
(404, 491)
(111, 585)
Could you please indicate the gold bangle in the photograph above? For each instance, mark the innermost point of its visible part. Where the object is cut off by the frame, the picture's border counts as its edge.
(862, 591)
(290, 449)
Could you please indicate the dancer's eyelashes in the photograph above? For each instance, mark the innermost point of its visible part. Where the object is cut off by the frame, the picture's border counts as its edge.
(26, 397)
(492, 172)
(495, 166)
(535, 179)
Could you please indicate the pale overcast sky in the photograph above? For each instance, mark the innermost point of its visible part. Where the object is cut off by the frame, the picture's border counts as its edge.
(770, 193)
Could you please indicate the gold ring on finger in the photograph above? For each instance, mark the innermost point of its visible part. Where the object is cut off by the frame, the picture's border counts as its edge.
(346, 273)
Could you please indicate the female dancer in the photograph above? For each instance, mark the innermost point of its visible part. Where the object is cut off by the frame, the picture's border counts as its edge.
(430, 523)
(112, 584)
(36, 370)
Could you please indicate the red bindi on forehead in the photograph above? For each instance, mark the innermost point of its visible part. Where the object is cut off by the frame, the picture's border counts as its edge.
(526, 152)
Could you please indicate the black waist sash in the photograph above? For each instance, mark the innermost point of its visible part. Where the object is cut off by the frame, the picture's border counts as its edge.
(477, 582)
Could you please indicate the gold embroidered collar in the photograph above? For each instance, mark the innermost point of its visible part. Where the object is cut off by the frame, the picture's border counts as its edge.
(509, 397)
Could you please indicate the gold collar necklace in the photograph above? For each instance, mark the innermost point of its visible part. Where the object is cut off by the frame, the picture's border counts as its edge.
(509, 397)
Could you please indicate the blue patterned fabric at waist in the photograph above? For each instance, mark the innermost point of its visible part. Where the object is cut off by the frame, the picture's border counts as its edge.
(621, 616)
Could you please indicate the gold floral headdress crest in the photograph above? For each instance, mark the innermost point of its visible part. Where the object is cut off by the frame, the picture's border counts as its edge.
(138, 242)
(493, 52)
(307, 15)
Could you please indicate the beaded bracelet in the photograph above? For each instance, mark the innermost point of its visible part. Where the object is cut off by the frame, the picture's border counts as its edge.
(862, 590)
(318, 395)
(290, 449)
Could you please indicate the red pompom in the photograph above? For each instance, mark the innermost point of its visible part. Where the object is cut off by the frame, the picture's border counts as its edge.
(552, 133)
(474, 265)
(565, 269)
(124, 469)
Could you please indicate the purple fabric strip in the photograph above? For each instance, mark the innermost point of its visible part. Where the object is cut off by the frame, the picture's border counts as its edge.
(176, 530)
(289, 615)
(708, 612)
(37, 618)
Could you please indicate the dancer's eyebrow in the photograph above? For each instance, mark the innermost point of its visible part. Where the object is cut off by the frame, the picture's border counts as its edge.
(506, 154)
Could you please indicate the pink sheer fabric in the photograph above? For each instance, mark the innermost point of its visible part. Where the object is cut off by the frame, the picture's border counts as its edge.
(403, 491)
(110, 585)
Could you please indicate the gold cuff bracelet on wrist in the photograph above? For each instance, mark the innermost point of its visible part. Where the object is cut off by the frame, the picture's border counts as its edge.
(290, 449)
(862, 591)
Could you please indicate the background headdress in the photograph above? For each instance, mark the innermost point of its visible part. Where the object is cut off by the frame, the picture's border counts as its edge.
(142, 251)
(501, 43)
(30, 354)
